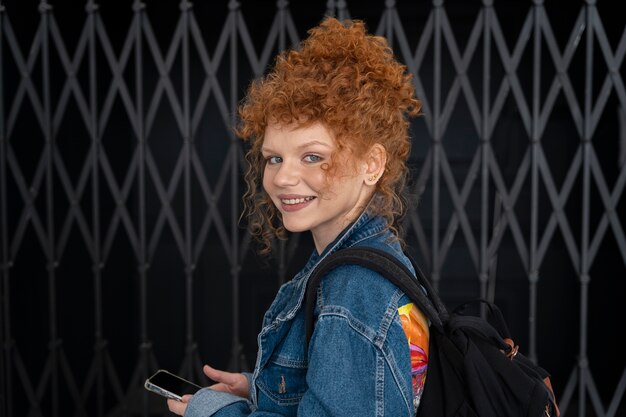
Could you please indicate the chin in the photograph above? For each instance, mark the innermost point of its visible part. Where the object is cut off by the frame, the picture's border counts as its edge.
(295, 228)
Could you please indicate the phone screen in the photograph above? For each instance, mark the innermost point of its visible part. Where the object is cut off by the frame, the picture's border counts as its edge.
(169, 385)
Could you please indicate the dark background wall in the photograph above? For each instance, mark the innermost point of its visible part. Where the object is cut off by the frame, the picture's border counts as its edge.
(121, 246)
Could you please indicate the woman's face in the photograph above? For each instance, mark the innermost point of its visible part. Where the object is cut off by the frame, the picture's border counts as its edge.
(295, 180)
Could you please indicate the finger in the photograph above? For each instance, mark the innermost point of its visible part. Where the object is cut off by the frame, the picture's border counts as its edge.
(216, 375)
(177, 407)
(220, 386)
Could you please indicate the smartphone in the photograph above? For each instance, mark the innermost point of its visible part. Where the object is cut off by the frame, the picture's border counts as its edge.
(169, 385)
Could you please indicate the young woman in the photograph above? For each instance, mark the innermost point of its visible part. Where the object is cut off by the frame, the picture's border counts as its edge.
(328, 129)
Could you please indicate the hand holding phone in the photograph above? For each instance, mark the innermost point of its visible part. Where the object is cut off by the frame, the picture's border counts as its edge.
(169, 385)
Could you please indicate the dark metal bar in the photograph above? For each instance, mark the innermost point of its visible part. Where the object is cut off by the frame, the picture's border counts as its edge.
(91, 9)
(283, 14)
(54, 342)
(342, 10)
(584, 243)
(192, 364)
(485, 137)
(143, 260)
(388, 13)
(185, 7)
(617, 398)
(533, 268)
(330, 8)
(6, 378)
(236, 354)
(436, 140)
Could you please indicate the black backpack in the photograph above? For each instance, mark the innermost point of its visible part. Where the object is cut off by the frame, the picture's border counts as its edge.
(474, 368)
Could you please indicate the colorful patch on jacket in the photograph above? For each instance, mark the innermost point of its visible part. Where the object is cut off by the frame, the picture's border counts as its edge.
(415, 327)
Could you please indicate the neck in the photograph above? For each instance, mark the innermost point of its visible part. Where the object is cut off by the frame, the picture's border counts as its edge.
(321, 241)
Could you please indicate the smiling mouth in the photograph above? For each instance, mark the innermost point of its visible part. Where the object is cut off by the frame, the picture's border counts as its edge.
(292, 201)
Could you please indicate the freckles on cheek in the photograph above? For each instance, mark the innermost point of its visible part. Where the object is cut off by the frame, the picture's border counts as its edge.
(266, 182)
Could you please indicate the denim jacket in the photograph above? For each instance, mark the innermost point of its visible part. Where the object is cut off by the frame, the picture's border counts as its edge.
(357, 362)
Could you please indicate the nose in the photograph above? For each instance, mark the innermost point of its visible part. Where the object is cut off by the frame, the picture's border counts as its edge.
(286, 175)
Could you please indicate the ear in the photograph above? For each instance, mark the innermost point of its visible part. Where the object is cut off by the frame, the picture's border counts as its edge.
(375, 160)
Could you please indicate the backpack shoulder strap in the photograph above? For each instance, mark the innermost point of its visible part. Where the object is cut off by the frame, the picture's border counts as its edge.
(389, 267)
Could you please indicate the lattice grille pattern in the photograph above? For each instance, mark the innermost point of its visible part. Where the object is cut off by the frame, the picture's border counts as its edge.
(120, 188)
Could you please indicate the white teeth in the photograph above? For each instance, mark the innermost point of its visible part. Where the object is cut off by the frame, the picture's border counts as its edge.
(296, 200)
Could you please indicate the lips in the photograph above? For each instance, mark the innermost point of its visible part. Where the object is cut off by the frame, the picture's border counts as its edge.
(294, 203)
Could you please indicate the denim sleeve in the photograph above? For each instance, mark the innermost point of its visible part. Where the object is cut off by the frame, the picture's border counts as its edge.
(248, 376)
(208, 402)
(349, 376)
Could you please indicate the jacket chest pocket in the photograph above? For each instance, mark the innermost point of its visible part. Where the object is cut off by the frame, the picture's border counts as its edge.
(283, 381)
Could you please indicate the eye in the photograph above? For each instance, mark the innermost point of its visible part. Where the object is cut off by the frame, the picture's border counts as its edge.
(273, 160)
(312, 158)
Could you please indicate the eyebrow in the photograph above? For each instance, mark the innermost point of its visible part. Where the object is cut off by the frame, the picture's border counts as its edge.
(301, 147)
(311, 143)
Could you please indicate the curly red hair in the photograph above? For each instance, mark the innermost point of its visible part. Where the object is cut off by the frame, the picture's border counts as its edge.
(349, 81)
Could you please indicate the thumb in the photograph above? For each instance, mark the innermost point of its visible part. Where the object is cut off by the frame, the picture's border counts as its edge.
(219, 376)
